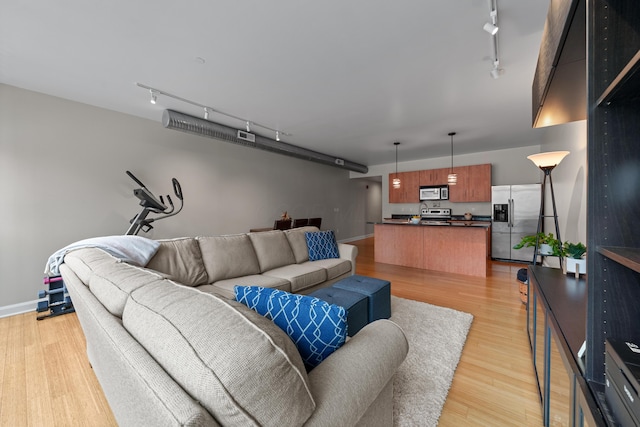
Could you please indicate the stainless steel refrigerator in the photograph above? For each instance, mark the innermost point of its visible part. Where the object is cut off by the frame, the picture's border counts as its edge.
(515, 214)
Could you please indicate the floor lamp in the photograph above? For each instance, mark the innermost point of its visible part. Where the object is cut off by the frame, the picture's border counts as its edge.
(547, 162)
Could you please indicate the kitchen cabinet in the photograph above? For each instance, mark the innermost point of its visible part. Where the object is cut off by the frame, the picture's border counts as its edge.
(434, 176)
(452, 249)
(409, 187)
(399, 245)
(474, 184)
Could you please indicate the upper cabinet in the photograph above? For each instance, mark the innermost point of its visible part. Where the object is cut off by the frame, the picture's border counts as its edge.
(434, 176)
(474, 184)
(408, 190)
(558, 93)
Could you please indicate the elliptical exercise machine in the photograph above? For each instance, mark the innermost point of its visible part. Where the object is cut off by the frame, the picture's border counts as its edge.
(150, 204)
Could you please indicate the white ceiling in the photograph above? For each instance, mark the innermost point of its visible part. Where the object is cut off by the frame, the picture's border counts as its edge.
(345, 77)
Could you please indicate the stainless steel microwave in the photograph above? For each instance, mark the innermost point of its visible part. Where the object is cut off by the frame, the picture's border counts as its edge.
(434, 193)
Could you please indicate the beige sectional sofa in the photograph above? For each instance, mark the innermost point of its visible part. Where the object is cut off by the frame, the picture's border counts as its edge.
(169, 347)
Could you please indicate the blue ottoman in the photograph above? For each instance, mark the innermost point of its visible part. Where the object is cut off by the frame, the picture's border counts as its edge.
(378, 292)
(354, 303)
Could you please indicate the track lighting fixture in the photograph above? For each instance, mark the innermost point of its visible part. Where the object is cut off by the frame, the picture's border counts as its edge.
(452, 178)
(396, 180)
(490, 28)
(207, 109)
(277, 136)
(496, 71)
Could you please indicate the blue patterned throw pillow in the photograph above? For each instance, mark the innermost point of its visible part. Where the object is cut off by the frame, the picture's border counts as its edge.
(321, 245)
(316, 327)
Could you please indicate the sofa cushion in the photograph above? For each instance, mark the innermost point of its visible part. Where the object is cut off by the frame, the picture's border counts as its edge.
(180, 260)
(272, 249)
(316, 327)
(322, 245)
(240, 366)
(226, 257)
(301, 276)
(226, 287)
(333, 266)
(299, 243)
(112, 283)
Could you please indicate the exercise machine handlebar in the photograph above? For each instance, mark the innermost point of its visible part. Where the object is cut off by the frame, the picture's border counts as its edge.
(150, 204)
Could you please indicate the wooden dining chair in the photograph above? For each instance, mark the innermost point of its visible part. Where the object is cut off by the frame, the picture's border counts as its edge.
(300, 222)
(282, 224)
(315, 222)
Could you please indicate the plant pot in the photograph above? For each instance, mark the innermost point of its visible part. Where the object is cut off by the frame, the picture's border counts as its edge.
(545, 249)
(576, 266)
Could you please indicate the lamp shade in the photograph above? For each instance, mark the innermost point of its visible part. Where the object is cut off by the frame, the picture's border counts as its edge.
(549, 159)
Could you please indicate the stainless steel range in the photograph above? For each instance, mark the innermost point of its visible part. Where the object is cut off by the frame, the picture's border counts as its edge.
(436, 216)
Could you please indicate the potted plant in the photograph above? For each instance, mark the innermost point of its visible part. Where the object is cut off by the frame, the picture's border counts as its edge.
(574, 252)
(548, 244)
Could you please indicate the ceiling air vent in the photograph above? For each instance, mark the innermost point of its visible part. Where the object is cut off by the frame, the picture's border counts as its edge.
(246, 136)
(197, 126)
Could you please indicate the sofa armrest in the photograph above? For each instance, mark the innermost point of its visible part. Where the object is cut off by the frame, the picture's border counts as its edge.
(346, 384)
(349, 252)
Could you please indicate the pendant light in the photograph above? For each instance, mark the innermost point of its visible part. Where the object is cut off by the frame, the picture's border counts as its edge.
(452, 178)
(396, 180)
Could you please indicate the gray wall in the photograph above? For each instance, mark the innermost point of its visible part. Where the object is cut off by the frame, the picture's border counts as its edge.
(62, 179)
(569, 181)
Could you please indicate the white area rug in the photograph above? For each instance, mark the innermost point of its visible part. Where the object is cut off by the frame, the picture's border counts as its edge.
(436, 337)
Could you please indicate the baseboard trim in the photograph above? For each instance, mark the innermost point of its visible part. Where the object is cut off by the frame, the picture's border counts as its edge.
(23, 307)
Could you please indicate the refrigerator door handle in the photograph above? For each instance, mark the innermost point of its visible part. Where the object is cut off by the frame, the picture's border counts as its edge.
(510, 213)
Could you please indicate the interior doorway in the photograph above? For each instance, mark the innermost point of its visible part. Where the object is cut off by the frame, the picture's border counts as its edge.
(371, 199)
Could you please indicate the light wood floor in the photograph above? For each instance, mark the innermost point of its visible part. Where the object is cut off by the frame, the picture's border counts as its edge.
(45, 378)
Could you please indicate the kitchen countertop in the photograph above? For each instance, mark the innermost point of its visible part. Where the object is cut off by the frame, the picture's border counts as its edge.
(451, 223)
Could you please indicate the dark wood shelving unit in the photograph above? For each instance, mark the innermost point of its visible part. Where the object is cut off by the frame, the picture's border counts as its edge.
(613, 237)
(613, 200)
(626, 85)
(628, 257)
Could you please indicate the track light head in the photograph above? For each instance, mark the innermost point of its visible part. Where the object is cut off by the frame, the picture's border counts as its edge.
(490, 28)
(206, 113)
(496, 71)
(154, 97)
(277, 136)
(248, 126)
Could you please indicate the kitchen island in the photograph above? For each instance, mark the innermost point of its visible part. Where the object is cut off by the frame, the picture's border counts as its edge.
(461, 247)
